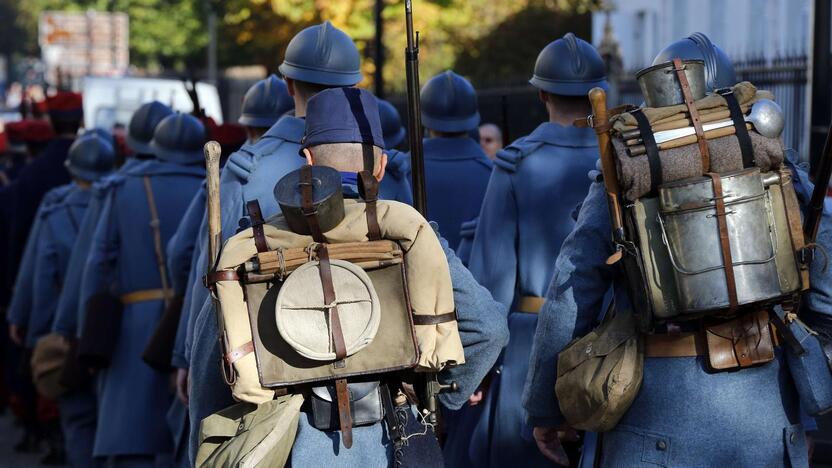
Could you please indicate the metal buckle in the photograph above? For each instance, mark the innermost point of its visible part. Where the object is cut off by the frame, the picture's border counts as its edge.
(590, 120)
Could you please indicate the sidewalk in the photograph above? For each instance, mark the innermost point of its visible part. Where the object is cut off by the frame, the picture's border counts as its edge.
(9, 435)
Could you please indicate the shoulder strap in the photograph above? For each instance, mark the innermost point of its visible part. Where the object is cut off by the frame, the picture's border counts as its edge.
(679, 68)
(257, 222)
(649, 141)
(739, 125)
(157, 238)
(368, 190)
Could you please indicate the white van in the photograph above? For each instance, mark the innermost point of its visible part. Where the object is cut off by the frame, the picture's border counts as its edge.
(111, 101)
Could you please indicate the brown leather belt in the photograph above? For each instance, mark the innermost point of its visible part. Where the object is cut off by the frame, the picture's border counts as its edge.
(530, 304)
(674, 345)
(144, 295)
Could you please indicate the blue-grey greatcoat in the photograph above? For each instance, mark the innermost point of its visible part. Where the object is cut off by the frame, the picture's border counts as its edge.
(527, 213)
(69, 308)
(683, 415)
(22, 301)
(184, 271)
(59, 226)
(79, 409)
(133, 398)
(456, 175)
(396, 182)
(60, 223)
(250, 174)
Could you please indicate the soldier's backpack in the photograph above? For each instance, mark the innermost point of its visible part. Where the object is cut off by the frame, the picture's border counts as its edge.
(707, 227)
(332, 290)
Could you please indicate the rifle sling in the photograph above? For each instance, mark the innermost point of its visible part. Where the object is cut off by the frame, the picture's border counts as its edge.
(157, 239)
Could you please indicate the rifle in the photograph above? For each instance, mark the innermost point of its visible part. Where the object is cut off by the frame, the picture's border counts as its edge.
(414, 113)
(815, 209)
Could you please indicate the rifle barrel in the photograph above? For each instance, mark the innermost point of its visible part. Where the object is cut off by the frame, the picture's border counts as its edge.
(414, 118)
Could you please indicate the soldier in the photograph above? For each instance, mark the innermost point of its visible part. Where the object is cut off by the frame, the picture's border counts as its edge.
(491, 139)
(266, 102)
(263, 105)
(317, 58)
(334, 141)
(682, 415)
(44, 173)
(141, 213)
(396, 186)
(456, 168)
(543, 172)
(79, 410)
(90, 158)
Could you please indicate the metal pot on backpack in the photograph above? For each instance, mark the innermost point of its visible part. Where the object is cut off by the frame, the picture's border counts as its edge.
(691, 235)
(660, 84)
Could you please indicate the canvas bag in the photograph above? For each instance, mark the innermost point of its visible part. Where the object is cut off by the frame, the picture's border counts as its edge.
(247, 435)
(600, 374)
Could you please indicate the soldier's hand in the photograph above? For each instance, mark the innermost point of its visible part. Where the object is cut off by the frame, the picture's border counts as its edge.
(548, 442)
(476, 398)
(16, 334)
(182, 385)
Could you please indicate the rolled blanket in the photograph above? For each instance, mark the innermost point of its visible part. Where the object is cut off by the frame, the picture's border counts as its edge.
(685, 162)
(745, 92)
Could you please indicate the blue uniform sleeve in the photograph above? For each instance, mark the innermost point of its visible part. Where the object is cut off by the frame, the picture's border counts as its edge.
(66, 314)
(493, 258)
(482, 328)
(180, 358)
(45, 284)
(22, 295)
(573, 302)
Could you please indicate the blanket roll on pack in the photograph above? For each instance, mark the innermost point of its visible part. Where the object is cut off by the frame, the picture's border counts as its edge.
(685, 162)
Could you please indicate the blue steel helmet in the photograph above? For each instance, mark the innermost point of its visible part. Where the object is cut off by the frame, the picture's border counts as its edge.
(719, 70)
(143, 124)
(449, 104)
(265, 103)
(391, 124)
(179, 138)
(324, 55)
(569, 66)
(91, 156)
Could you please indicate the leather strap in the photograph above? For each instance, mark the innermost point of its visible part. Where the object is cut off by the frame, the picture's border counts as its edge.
(694, 114)
(159, 250)
(739, 126)
(342, 394)
(368, 189)
(530, 304)
(216, 276)
(256, 216)
(239, 352)
(434, 319)
(649, 142)
(674, 345)
(724, 240)
(308, 204)
(329, 298)
(145, 295)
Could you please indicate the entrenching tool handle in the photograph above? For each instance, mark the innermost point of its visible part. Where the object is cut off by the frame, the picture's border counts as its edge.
(213, 152)
(601, 124)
